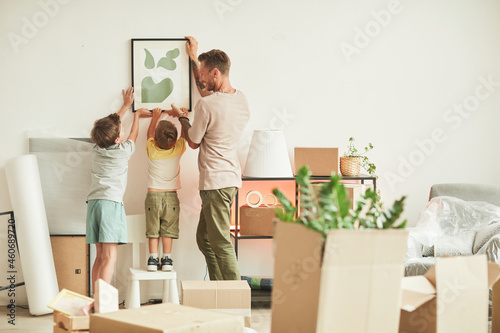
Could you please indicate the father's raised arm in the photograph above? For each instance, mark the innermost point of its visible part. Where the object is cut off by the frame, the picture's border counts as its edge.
(192, 51)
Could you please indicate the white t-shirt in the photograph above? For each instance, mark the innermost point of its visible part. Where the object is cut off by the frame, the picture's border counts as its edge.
(164, 166)
(218, 124)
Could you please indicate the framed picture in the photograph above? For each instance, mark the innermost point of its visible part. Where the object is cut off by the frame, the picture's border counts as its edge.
(161, 73)
(70, 303)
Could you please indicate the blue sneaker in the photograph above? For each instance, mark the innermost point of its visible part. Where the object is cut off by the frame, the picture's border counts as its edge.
(153, 264)
(167, 264)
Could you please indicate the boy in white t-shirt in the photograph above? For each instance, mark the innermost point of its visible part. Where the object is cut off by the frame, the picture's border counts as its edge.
(164, 151)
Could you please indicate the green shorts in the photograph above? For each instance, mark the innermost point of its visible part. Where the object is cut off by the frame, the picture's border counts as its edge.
(162, 214)
(106, 222)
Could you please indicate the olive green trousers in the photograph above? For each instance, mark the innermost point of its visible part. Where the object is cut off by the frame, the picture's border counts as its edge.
(213, 237)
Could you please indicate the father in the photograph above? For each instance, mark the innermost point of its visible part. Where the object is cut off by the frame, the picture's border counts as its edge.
(220, 118)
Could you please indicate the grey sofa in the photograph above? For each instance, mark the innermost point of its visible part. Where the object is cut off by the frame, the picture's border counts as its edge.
(485, 240)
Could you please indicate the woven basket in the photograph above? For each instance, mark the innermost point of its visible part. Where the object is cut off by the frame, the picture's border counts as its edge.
(350, 166)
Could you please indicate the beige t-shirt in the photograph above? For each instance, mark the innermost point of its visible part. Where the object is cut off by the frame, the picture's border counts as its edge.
(219, 121)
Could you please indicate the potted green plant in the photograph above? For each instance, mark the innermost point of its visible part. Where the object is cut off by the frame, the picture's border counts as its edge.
(333, 263)
(329, 209)
(354, 159)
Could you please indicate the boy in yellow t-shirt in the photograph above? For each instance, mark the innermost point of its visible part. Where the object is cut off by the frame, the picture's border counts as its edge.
(162, 204)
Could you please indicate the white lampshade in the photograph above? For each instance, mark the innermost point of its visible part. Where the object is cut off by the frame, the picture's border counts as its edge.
(268, 156)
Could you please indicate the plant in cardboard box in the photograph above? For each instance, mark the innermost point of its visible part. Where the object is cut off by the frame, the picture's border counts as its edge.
(337, 269)
(353, 160)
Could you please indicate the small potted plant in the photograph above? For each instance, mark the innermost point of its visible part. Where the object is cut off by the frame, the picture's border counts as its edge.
(353, 160)
(327, 251)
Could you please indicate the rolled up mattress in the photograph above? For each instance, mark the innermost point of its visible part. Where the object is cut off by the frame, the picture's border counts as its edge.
(32, 230)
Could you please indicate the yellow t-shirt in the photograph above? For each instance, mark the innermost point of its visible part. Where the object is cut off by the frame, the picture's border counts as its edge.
(163, 165)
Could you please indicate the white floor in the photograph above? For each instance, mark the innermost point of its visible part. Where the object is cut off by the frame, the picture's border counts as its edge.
(24, 322)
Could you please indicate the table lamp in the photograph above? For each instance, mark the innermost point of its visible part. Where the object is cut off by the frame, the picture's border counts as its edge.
(268, 156)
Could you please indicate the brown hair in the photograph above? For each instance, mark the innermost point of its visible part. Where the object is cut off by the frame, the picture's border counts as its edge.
(106, 130)
(165, 134)
(216, 59)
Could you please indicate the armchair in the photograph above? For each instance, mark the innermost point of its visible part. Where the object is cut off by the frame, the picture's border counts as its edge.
(483, 238)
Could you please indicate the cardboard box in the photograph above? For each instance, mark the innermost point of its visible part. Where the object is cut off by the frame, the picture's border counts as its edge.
(257, 221)
(165, 318)
(453, 296)
(70, 323)
(353, 285)
(354, 191)
(232, 297)
(321, 161)
(297, 273)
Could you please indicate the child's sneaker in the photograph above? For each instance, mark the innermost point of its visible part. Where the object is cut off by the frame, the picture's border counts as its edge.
(153, 264)
(166, 264)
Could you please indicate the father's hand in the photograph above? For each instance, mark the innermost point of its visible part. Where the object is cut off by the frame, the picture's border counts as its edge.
(176, 112)
(192, 48)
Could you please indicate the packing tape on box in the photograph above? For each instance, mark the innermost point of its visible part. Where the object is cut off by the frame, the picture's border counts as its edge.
(274, 202)
(254, 205)
(261, 199)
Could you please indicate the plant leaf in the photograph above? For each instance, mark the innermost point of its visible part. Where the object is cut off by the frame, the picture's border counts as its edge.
(288, 208)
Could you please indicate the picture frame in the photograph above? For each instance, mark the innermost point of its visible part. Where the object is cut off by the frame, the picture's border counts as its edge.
(70, 303)
(161, 73)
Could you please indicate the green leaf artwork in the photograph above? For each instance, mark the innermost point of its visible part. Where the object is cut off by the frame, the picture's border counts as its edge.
(149, 62)
(168, 62)
(156, 92)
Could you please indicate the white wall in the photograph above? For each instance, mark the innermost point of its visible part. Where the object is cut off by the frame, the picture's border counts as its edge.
(305, 67)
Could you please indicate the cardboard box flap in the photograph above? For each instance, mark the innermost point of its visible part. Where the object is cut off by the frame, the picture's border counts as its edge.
(370, 246)
(462, 293)
(419, 284)
(493, 273)
(365, 265)
(468, 272)
(431, 275)
(417, 290)
(297, 274)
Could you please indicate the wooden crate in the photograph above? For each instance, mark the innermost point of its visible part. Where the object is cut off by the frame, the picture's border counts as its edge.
(64, 323)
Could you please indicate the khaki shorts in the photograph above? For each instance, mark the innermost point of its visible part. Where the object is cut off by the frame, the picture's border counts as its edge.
(162, 214)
